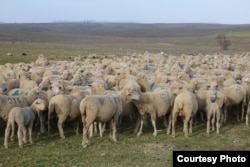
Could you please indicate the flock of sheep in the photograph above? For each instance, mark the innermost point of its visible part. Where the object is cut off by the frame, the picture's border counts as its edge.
(95, 92)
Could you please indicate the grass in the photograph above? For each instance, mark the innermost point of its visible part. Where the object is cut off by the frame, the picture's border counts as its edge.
(129, 150)
(58, 42)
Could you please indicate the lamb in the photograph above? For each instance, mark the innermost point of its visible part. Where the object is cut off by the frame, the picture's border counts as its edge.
(185, 105)
(103, 108)
(65, 107)
(213, 111)
(24, 117)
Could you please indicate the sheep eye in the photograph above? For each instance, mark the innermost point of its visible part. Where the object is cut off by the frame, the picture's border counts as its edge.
(60, 87)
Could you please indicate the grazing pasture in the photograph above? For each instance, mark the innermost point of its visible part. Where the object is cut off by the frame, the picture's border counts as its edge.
(102, 40)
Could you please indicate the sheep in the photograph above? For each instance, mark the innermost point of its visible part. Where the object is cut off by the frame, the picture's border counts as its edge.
(213, 111)
(186, 106)
(6, 86)
(65, 107)
(103, 108)
(24, 117)
(156, 104)
(25, 83)
(8, 102)
(235, 95)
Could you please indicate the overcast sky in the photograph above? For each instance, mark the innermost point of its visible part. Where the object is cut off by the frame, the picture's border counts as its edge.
(142, 11)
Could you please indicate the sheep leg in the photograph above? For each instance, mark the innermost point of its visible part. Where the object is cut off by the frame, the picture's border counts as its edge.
(42, 123)
(102, 128)
(91, 130)
(208, 121)
(20, 136)
(85, 140)
(24, 130)
(95, 127)
(12, 132)
(185, 126)
(191, 125)
(60, 122)
(76, 126)
(30, 133)
(153, 118)
(137, 123)
(169, 124)
(213, 121)
(225, 115)
(86, 126)
(222, 117)
(173, 124)
(218, 121)
(141, 125)
(247, 120)
(113, 130)
(7, 133)
(202, 116)
(242, 113)
(154, 126)
(208, 126)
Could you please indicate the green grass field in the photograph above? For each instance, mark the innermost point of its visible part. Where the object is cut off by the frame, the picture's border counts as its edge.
(129, 150)
(66, 41)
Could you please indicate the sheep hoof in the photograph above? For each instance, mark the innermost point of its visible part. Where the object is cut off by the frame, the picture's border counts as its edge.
(84, 145)
(6, 146)
(20, 146)
(12, 139)
(154, 134)
(173, 136)
(138, 134)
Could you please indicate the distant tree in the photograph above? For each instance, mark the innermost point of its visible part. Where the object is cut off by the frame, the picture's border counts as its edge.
(223, 41)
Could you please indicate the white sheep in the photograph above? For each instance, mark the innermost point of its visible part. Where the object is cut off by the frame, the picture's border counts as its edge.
(103, 108)
(213, 111)
(24, 117)
(186, 106)
(6, 86)
(156, 104)
(65, 107)
(25, 82)
(8, 102)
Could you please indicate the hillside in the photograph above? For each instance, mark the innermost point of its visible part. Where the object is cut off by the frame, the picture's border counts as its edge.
(80, 32)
